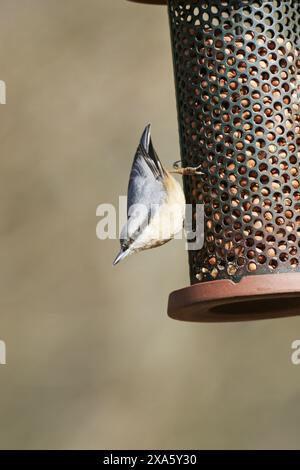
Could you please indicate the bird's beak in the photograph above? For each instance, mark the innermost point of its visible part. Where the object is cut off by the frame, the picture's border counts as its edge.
(121, 256)
(146, 136)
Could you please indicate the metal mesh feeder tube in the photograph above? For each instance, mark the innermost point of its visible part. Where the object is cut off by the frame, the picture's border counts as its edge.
(236, 67)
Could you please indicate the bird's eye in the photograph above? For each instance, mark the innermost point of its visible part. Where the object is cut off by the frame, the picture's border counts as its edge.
(124, 245)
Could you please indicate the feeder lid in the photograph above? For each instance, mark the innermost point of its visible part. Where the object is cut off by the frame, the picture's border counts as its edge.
(153, 2)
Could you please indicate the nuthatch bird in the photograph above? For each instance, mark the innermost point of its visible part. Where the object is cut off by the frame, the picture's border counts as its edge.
(155, 204)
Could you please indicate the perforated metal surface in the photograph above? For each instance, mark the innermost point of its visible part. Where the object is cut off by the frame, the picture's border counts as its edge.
(237, 79)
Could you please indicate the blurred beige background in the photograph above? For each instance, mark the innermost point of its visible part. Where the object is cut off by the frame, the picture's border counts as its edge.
(93, 361)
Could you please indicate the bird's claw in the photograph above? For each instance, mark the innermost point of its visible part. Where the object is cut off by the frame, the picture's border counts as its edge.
(186, 171)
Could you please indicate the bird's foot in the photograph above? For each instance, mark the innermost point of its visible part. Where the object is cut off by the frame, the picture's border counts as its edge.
(186, 171)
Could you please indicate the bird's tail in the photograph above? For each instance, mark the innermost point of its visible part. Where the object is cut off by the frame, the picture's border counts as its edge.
(150, 155)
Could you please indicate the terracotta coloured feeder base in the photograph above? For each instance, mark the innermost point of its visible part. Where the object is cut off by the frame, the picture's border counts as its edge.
(253, 298)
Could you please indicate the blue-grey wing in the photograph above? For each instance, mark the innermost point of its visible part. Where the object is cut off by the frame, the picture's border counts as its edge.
(146, 192)
(144, 186)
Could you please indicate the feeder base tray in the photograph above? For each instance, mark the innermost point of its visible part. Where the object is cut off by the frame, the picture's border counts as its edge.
(253, 298)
